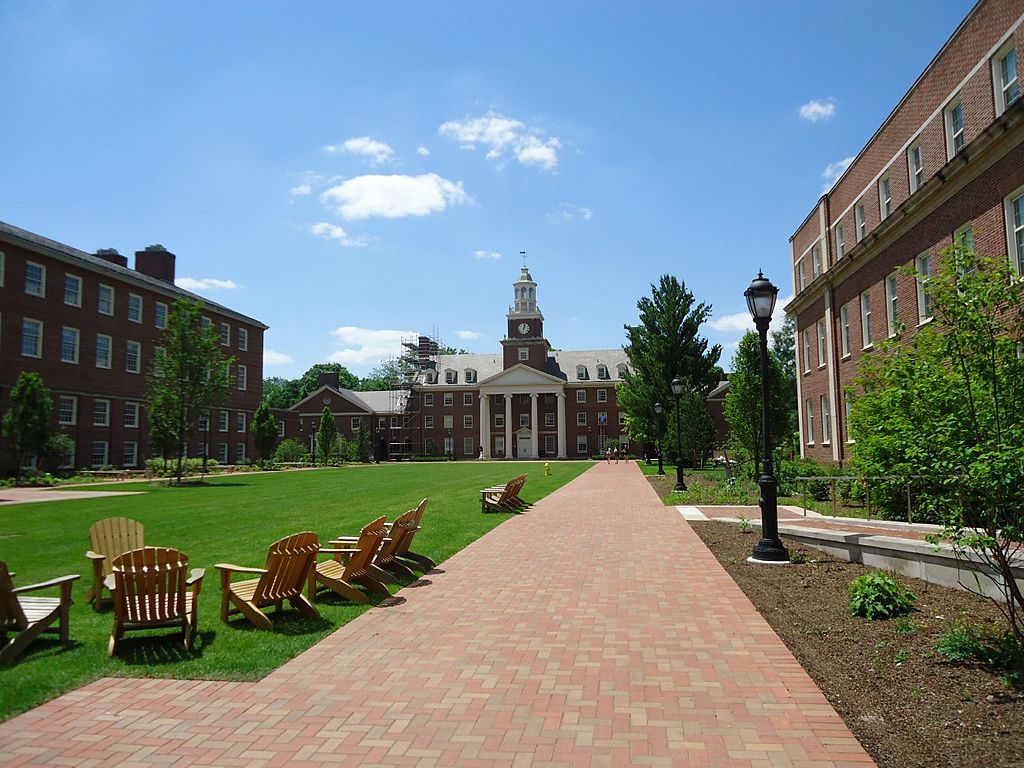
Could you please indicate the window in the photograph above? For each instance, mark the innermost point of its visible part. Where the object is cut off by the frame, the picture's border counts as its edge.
(819, 327)
(581, 444)
(240, 453)
(810, 422)
(915, 166)
(31, 338)
(865, 318)
(826, 426)
(35, 279)
(204, 422)
(1, 269)
(581, 419)
(356, 423)
(428, 399)
(860, 221)
(69, 345)
(449, 398)
(467, 398)
(130, 454)
(242, 374)
(892, 312)
(847, 406)
(470, 376)
(524, 353)
(602, 395)
(67, 410)
(965, 237)
(394, 422)
(801, 270)
(101, 413)
(1004, 78)
(132, 355)
(160, 315)
(240, 421)
(103, 347)
(222, 453)
(840, 243)
(499, 446)
(816, 260)
(131, 416)
(581, 395)
(105, 305)
(243, 339)
(428, 422)
(622, 418)
(844, 328)
(923, 265)
(602, 419)
(98, 454)
(499, 420)
(623, 369)
(1015, 229)
(225, 335)
(549, 444)
(205, 322)
(885, 196)
(448, 422)
(72, 290)
(467, 421)
(549, 419)
(581, 372)
(954, 127)
(524, 419)
(222, 421)
(468, 446)
(602, 372)
(280, 429)
(806, 335)
(134, 308)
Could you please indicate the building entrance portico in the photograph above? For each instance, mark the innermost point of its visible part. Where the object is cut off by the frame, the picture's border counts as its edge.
(530, 386)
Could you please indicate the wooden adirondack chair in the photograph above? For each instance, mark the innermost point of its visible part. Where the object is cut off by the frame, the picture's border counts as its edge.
(404, 552)
(108, 539)
(351, 563)
(386, 565)
(287, 571)
(150, 589)
(504, 498)
(28, 617)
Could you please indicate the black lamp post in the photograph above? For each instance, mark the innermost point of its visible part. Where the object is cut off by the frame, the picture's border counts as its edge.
(660, 411)
(206, 441)
(761, 302)
(677, 391)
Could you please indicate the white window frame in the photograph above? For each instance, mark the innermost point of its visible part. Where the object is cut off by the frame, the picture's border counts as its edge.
(499, 445)
(67, 417)
(451, 377)
(602, 372)
(806, 339)
(581, 373)
(809, 404)
(1005, 85)
(468, 446)
(131, 416)
(549, 444)
(549, 419)
(467, 421)
(801, 273)
(75, 345)
(160, 315)
(499, 420)
(105, 453)
(581, 445)
(222, 453)
(892, 298)
(37, 351)
(40, 292)
(467, 398)
(915, 171)
(844, 329)
(103, 287)
(76, 295)
(954, 137)
(581, 395)
(240, 453)
(581, 418)
(826, 425)
(819, 329)
(524, 354)
(224, 334)
(865, 320)
(240, 421)
(885, 196)
(965, 236)
(134, 308)
(242, 377)
(356, 421)
(469, 375)
(428, 399)
(101, 412)
(243, 339)
(602, 395)
(860, 221)
(130, 454)
(222, 421)
(428, 422)
(449, 399)
(816, 267)
(923, 266)
(524, 419)
(847, 405)
(106, 362)
(448, 421)
(130, 345)
(1013, 206)
(840, 243)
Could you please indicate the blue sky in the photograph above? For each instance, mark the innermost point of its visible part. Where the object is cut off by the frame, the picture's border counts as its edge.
(350, 173)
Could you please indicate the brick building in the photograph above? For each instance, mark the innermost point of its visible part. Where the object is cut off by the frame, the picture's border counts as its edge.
(947, 164)
(526, 401)
(89, 326)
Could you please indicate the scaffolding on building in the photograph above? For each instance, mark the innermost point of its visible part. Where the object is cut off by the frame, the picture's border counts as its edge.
(418, 358)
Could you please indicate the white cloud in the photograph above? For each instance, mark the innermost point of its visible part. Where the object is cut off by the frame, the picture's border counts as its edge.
(500, 134)
(365, 346)
(741, 322)
(205, 284)
(568, 212)
(468, 335)
(815, 110)
(393, 197)
(833, 171)
(421, 150)
(487, 255)
(376, 151)
(270, 357)
(334, 232)
(301, 190)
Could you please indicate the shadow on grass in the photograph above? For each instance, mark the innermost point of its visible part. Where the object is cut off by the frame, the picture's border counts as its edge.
(45, 647)
(161, 650)
(287, 622)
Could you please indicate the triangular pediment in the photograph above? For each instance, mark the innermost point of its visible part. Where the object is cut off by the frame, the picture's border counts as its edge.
(521, 376)
(330, 397)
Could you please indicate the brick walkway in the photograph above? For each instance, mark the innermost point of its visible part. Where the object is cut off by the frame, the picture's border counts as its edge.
(594, 630)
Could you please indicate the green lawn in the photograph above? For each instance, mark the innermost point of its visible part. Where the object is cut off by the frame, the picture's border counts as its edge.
(233, 519)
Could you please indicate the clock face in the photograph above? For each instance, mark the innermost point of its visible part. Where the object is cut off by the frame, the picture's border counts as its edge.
(524, 328)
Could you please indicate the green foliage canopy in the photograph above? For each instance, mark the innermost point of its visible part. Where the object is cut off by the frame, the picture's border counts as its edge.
(26, 423)
(743, 410)
(264, 431)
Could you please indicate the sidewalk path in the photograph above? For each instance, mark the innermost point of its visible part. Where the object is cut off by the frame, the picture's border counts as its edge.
(594, 630)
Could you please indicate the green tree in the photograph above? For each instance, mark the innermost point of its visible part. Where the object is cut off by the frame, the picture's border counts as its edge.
(189, 375)
(264, 431)
(280, 393)
(664, 345)
(697, 429)
(948, 404)
(784, 348)
(58, 451)
(363, 441)
(26, 424)
(327, 435)
(743, 401)
(384, 376)
(290, 451)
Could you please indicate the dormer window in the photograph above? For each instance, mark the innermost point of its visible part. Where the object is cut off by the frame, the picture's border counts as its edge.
(602, 372)
(622, 370)
(470, 376)
(581, 372)
(451, 377)
(431, 377)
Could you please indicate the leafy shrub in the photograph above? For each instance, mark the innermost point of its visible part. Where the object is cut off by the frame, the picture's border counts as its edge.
(291, 451)
(790, 470)
(877, 595)
(798, 558)
(191, 466)
(59, 451)
(966, 641)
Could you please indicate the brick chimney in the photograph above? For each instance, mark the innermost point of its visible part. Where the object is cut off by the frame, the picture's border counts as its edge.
(111, 255)
(156, 261)
(328, 379)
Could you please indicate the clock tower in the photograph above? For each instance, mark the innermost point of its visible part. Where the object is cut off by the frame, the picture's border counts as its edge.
(525, 343)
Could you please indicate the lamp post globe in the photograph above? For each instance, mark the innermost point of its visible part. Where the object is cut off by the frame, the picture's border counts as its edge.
(761, 297)
(659, 410)
(677, 391)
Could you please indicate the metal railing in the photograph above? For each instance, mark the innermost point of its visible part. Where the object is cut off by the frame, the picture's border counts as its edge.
(833, 480)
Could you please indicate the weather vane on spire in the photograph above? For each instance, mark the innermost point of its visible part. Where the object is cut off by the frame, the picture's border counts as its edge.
(523, 254)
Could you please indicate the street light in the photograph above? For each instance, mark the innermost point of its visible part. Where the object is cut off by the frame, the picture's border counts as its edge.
(677, 391)
(761, 297)
(660, 411)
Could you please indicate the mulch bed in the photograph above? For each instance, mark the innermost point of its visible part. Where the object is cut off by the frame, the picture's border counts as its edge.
(906, 704)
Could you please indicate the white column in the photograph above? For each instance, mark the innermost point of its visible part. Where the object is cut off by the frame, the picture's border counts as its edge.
(485, 424)
(533, 426)
(561, 425)
(508, 425)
